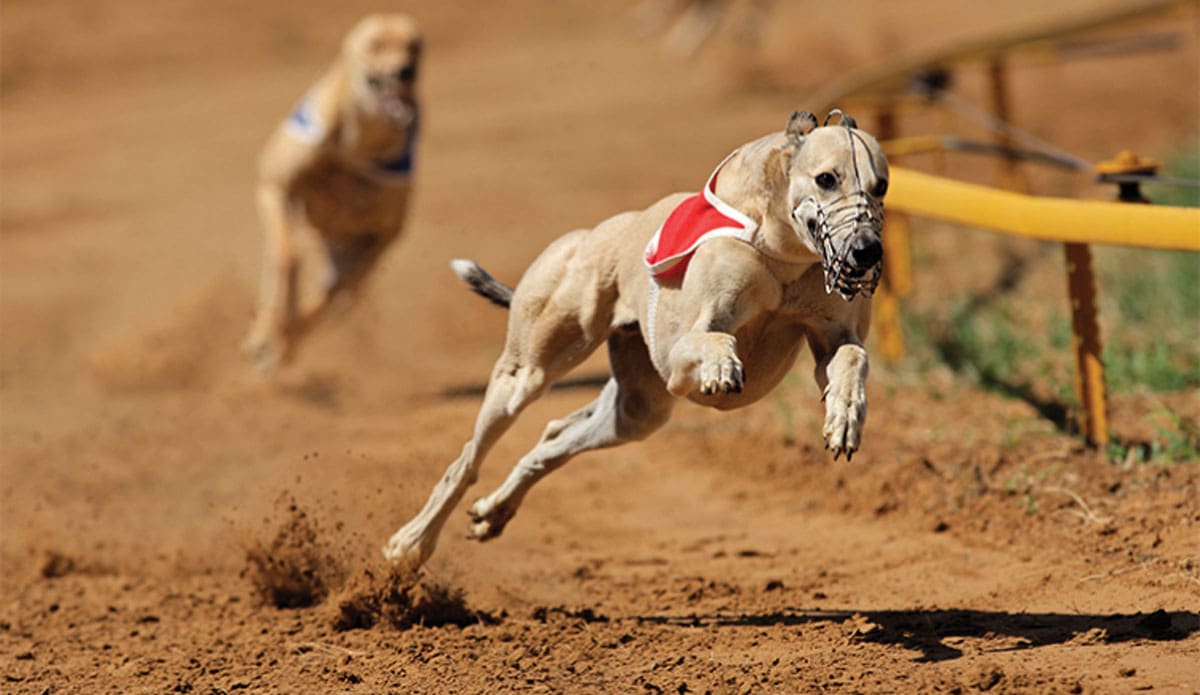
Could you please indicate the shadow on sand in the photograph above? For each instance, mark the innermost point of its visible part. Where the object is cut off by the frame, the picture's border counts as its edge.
(925, 630)
(585, 381)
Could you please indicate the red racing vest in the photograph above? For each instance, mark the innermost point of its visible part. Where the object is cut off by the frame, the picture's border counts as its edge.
(697, 219)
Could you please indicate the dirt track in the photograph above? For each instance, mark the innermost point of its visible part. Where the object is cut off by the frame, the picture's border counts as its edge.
(970, 545)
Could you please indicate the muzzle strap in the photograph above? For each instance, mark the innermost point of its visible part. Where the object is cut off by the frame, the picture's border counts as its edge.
(839, 218)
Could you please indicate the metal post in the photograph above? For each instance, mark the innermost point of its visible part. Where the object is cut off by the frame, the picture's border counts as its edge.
(1081, 284)
(1011, 176)
(946, 126)
(896, 281)
(1085, 340)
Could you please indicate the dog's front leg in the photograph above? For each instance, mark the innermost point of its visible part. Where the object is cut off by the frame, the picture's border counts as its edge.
(841, 373)
(266, 345)
(705, 357)
(725, 287)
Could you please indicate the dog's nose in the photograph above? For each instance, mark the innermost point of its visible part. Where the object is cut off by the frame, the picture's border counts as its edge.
(408, 73)
(867, 252)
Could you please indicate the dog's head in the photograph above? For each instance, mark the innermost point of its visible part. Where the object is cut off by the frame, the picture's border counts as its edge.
(382, 54)
(837, 177)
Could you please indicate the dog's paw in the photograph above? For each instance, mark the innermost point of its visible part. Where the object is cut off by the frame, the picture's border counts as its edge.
(264, 353)
(407, 550)
(845, 413)
(723, 375)
(487, 519)
(705, 362)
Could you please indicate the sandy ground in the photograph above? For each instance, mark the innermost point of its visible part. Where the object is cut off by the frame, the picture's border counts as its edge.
(154, 497)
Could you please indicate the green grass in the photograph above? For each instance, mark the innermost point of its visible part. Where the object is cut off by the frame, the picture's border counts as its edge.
(1016, 340)
(1184, 164)
(1150, 330)
(1154, 332)
(1150, 326)
(989, 344)
(1178, 440)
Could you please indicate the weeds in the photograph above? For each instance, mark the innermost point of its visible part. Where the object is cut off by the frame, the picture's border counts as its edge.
(1178, 441)
(1150, 313)
(1184, 164)
(987, 345)
(1024, 482)
(1014, 337)
(1154, 300)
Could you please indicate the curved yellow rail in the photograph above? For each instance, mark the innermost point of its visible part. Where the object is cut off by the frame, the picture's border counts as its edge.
(1052, 219)
(892, 78)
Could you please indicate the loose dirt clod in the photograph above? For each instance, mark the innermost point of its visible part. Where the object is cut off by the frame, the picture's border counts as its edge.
(294, 569)
(136, 447)
(56, 564)
(401, 600)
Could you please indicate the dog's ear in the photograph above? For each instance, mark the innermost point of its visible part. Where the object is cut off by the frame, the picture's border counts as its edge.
(800, 124)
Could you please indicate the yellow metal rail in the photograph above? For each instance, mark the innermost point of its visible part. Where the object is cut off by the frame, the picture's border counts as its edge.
(1051, 219)
(894, 77)
(888, 89)
(1076, 223)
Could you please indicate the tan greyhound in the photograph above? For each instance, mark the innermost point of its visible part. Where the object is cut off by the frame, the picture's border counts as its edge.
(791, 253)
(342, 163)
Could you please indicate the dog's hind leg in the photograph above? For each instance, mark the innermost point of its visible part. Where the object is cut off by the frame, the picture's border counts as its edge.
(556, 321)
(346, 269)
(633, 404)
(509, 391)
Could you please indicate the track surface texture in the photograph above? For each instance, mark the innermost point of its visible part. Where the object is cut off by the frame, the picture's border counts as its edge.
(171, 523)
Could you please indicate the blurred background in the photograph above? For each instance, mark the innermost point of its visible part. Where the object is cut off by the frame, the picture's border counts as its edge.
(134, 441)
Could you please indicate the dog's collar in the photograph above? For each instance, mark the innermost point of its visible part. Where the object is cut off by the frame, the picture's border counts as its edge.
(401, 166)
(697, 219)
(306, 125)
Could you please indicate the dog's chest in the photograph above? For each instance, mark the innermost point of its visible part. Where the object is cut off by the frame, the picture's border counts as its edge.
(341, 201)
(805, 295)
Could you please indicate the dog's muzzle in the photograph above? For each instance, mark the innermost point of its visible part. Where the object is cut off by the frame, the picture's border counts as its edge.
(847, 232)
(404, 75)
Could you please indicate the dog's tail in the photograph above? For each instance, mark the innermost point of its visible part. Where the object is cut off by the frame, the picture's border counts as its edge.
(482, 283)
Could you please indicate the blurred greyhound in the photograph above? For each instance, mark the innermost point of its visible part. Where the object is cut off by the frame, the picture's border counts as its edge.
(706, 297)
(693, 22)
(342, 162)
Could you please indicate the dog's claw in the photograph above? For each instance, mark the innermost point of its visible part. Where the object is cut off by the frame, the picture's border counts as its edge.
(845, 412)
(724, 376)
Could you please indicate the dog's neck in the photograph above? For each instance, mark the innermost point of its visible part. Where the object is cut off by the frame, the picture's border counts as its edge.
(754, 181)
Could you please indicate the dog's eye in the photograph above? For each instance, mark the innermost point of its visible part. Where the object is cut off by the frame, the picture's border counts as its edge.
(827, 181)
(880, 188)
